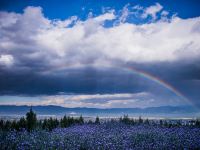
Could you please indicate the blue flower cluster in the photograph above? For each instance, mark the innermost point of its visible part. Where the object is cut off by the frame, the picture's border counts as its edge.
(111, 136)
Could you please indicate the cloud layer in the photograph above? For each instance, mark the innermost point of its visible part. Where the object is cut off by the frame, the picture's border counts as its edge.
(43, 56)
(30, 39)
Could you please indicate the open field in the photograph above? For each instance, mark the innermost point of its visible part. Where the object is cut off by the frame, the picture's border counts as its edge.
(112, 135)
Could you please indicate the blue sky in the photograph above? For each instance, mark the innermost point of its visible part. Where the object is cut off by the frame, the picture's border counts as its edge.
(100, 53)
(63, 9)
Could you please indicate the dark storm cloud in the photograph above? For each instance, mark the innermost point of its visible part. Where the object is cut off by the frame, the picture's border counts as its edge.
(72, 81)
(85, 80)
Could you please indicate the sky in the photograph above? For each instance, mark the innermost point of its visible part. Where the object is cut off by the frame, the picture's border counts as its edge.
(104, 54)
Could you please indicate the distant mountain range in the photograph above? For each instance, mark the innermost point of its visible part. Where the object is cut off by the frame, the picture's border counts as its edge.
(58, 110)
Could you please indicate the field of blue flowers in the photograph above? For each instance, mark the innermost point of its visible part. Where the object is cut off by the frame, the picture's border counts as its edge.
(102, 136)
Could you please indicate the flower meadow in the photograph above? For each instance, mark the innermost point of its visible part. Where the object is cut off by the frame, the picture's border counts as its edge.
(107, 135)
(116, 134)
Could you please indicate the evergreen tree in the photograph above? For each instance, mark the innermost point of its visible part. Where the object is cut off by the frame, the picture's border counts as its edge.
(81, 121)
(178, 123)
(22, 123)
(7, 125)
(1, 124)
(146, 121)
(126, 119)
(44, 124)
(161, 122)
(97, 121)
(64, 122)
(14, 125)
(197, 122)
(90, 122)
(140, 120)
(31, 120)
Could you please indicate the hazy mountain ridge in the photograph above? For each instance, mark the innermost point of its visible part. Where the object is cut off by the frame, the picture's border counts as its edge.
(59, 110)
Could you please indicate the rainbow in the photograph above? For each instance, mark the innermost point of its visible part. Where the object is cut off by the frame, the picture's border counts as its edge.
(159, 82)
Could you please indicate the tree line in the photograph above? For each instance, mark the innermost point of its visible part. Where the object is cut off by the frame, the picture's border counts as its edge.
(30, 122)
(165, 123)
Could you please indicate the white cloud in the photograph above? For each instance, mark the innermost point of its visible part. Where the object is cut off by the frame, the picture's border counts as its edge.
(89, 42)
(152, 11)
(164, 13)
(106, 16)
(100, 96)
(124, 100)
(62, 24)
(125, 14)
(6, 60)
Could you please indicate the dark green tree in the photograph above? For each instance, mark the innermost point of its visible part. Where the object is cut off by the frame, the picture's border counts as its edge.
(1, 124)
(31, 120)
(90, 122)
(97, 121)
(165, 123)
(51, 123)
(22, 123)
(7, 125)
(81, 120)
(197, 122)
(140, 120)
(161, 122)
(146, 121)
(126, 119)
(44, 124)
(64, 122)
(178, 123)
(14, 125)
